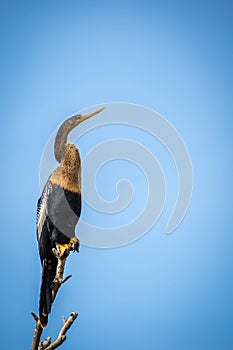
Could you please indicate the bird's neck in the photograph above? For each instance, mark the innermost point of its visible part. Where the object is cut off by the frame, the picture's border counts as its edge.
(68, 174)
(71, 175)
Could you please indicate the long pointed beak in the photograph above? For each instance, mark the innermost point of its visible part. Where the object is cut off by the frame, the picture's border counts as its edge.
(87, 116)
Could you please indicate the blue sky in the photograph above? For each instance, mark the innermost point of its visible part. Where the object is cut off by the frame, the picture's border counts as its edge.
(59, 57)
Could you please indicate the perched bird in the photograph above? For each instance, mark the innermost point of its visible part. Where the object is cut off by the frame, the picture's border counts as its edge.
(58, 210)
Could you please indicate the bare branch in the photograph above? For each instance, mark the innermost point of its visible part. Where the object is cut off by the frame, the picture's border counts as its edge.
(37, 333)
(59, 279)
(62, 334)
(46, 343)
(37, 344)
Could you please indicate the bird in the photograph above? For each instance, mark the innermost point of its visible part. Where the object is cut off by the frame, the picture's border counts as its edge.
(58, 210)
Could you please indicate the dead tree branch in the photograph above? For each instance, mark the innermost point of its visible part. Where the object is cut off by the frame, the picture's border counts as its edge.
(37, 333)
(62, 334)
(59, 279)
(47, 344)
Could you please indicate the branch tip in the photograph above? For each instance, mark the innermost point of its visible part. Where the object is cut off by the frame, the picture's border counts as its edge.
(66, 279)
(36, 318)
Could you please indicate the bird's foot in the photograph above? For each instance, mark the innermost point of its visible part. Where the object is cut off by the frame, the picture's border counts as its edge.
(74, 244)
(63, 250)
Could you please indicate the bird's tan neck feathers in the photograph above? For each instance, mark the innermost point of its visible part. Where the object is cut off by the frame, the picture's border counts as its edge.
(68, 174)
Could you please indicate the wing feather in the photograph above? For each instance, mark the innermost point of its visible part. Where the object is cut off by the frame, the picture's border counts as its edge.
(42, 208)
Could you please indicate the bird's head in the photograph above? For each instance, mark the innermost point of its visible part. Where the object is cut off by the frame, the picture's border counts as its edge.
(60, 145)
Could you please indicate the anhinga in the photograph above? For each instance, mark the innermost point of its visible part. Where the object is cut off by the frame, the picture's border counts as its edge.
(59, 209)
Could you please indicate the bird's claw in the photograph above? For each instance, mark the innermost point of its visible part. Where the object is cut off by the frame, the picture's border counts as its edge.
(74, 244)
(63, 250)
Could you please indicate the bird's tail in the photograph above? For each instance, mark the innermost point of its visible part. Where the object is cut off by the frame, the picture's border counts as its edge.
(48, 275)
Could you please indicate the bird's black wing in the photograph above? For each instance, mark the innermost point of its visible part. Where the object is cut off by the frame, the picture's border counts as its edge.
(42, 221)
(48, 260)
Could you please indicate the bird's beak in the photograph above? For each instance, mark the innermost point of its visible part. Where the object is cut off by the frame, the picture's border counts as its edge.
(87, 116)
